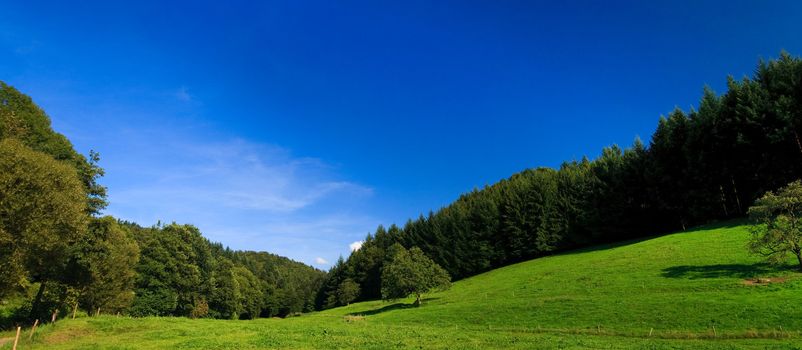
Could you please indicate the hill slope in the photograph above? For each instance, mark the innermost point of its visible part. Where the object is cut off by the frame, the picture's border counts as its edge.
(689, 290)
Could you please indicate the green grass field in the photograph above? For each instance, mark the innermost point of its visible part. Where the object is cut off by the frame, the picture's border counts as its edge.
(687, 290)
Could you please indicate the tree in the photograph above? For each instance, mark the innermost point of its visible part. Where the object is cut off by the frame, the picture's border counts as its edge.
(779, 224)
(108, 255)
(225, 299)
(174, 271)
(287, 286)
(411, 272)
(22, 119)
(347, 291)
(251, 295)
(42, 213)
(669, 166)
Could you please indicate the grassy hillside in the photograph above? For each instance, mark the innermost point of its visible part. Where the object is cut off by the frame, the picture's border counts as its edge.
(688, 290)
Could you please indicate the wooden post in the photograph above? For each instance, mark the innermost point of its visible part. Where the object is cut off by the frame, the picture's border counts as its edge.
(74, 310)
(16, 340)
(33, 329)
(98, 312)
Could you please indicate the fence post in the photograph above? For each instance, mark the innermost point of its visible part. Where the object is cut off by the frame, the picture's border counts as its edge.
(16, 340)
(33, 329)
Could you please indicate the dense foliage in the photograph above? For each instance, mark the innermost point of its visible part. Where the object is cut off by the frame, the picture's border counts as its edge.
(181, 273)
(106, 256)
(23, 120)
(703, 165)
(41, 216)
(58, 256)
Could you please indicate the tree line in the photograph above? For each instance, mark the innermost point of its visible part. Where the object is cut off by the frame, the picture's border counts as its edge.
(59, 256)
(706, 164)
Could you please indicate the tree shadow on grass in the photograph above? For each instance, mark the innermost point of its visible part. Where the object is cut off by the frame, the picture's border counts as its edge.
(396, 306)
(725, 270)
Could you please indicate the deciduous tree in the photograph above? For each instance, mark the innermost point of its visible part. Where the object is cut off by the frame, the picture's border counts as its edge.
(411, 272)
(42, 213)
(347, 291)
(778, 231)
(108, 255)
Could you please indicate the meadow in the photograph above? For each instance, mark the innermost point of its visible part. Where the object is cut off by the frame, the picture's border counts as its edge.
(699, 289)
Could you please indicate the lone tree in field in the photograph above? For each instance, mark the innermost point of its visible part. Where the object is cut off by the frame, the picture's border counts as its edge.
(411, 272)
(779, 224)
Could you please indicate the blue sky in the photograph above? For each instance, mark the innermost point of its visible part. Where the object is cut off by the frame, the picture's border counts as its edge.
(297, 127)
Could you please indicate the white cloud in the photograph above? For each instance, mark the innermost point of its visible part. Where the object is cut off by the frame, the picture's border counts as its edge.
(321, 261)
(356, 245)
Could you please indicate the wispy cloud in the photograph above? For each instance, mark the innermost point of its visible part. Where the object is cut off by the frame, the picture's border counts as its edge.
(239, 175)
(247, 195)
(321, 261)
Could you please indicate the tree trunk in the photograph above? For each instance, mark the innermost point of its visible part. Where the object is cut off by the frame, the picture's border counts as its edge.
(798, 144)
(62, 300)
(723, 201)
(735, 192)
(799, 258)
(37, 301)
